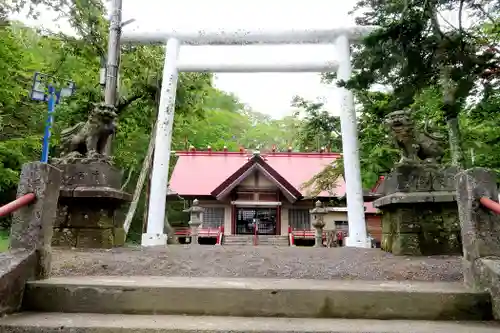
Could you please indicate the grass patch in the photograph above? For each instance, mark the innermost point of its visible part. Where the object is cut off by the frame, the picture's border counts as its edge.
(4, 240)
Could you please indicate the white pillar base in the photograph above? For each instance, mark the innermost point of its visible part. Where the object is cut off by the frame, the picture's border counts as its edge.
(154, 240)
(353, 242)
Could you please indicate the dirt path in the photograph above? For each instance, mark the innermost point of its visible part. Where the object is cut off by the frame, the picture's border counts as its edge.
(281, 262)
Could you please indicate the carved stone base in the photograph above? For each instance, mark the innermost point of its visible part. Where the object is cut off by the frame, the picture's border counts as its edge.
(75, 157)
(89, 214)
(420, 214)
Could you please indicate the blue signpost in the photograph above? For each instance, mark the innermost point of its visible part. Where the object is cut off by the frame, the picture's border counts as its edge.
(44, 89)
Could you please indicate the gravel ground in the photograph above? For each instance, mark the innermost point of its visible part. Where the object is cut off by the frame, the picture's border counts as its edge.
(249, 261)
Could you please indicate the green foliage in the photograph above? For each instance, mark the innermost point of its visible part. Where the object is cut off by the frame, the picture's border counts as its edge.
(448, 75)
(4, 241)
(412, 51)
(204, 115)
(319, 128)
(443, 74)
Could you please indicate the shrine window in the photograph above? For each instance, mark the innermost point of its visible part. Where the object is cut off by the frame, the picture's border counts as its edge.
(213, 217)
(299, 219)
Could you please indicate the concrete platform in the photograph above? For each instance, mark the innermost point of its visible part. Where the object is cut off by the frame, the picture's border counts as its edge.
(99, 323)
(258, 298)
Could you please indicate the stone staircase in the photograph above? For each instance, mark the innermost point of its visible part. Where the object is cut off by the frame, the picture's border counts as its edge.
(215, 305)
(238, 240)
(273, 240)
(269, 240)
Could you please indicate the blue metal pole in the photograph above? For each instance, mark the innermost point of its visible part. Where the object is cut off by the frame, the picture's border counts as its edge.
(48, 124)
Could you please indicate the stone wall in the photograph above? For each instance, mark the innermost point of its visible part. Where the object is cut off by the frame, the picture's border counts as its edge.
(29, 256)
(420, 215)
(426, 228)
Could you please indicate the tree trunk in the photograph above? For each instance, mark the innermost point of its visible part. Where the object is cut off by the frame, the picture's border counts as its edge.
(146, 164)
(451, 108)
(455, 142)
(146, 205)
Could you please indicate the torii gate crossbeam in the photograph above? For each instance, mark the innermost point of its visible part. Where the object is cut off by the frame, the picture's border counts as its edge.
(342, 38)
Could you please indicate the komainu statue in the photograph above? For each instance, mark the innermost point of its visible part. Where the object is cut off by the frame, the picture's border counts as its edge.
(415, 146)
(89, 139)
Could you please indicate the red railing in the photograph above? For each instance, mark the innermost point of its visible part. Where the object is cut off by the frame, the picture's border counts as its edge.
(203, 233)
(302, 234)
(291, 239)
(16, 204)
(490, 204)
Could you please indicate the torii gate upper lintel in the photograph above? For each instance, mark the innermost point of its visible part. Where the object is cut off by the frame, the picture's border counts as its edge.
(341, 37)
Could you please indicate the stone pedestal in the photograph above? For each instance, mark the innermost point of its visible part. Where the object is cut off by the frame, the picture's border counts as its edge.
(420, 214)
(88, 208)
(195, 221)
(318, 223)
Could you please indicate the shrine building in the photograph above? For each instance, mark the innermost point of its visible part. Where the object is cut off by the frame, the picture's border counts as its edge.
(238, 188)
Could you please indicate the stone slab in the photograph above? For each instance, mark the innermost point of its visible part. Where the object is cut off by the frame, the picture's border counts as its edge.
(409, 178)
(120, 236)
(87, 237)
(102, 323)
(258, 297)
(91, 217)
(16, 267)
(415, 198)
(32, 224)
(487, 277)
(95, 192)
(90, 174)
(64, 237)
(95, 238)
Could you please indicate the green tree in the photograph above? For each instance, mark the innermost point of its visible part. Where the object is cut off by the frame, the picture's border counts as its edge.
(411, 51)
(319, 128)
(26, 50)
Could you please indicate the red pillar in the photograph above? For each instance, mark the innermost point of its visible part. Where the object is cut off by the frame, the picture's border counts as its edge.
(278, 220)
(278, 215)
(233, 219)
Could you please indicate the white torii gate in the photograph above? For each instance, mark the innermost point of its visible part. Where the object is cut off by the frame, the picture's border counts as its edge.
(341, 37)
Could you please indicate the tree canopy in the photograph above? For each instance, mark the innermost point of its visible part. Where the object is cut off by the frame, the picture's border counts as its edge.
(444, 70)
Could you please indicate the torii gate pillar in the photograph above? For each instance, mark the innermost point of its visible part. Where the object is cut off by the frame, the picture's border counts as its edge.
(341, 37)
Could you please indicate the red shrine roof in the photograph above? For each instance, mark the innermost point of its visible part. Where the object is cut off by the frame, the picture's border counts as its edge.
(207, 173)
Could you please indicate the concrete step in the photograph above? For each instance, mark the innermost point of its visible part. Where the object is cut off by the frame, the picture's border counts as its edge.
(238, 240)
(109, 323)
(249, 239)
(273, 240)
(258, 298)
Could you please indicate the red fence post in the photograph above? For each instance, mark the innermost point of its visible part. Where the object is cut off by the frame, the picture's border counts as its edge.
(291, 238)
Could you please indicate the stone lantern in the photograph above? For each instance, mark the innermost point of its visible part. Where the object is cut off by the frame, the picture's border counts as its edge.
(318, 222)
(195, 220)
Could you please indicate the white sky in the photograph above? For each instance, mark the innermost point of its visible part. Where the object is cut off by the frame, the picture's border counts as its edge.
(269, 93)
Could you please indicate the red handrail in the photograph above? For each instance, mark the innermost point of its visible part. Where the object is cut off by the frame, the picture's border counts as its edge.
(16, 204)
(490, 204)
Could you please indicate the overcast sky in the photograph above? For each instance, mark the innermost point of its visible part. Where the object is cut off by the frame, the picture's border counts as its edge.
(270, 93)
